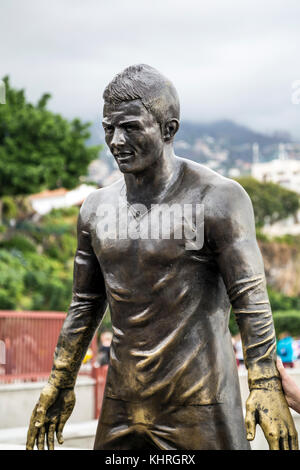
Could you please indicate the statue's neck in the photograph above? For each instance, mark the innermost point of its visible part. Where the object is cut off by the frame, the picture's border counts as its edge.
(150, 185)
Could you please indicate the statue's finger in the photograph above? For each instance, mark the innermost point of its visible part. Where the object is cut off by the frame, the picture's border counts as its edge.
(294, 442)
(285, 443)
(32, 430)
(250, 423)
(50, 436)
(60, 427)
(31, 437)
(41, 438)
(273, 443)
(59, 435)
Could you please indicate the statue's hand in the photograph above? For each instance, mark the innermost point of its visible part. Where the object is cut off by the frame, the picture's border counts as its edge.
(269, 409)
(49, 416)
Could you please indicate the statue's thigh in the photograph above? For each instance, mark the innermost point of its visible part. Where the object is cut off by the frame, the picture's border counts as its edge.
(201, 427)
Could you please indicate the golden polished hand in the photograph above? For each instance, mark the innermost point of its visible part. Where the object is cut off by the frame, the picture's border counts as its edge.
(49, 416)
(268, 408)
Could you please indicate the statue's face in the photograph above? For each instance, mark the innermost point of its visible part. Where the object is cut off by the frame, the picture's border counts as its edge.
(133, 136)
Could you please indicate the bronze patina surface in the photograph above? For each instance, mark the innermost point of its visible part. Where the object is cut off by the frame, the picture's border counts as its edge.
(172, 381)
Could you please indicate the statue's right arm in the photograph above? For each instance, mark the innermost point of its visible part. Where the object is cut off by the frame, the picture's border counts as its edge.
(86, 311)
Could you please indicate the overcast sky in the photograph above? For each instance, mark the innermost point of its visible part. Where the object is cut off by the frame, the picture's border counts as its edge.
(234, 59)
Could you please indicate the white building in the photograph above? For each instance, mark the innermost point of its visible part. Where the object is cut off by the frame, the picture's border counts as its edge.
(283, 171)
(47, 200)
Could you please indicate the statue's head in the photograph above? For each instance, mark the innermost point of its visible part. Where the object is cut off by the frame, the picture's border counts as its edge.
(140, 117)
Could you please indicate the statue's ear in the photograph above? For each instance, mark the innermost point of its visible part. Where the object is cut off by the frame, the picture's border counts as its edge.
(170, 128)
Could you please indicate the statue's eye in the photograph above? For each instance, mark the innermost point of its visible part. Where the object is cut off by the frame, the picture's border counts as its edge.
(108, 129)
(131, 127)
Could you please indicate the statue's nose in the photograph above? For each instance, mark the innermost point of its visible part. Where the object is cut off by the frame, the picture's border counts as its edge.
(118, 139)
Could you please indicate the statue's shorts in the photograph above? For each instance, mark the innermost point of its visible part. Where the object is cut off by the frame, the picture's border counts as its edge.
(146, 425)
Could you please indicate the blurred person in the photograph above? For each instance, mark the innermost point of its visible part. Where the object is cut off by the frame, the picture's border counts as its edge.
(239, 350)
(88, 356)
(290, 388)
(296, 346)
(104, 349)
(234, 349)
(24, 354)
(285, 349)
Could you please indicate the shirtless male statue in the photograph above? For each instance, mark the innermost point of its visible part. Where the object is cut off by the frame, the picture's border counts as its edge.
(172, 381)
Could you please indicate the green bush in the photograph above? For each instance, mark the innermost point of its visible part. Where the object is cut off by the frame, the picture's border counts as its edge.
(287, 321)
(48, 283)
(261, 236)
(36, 262)
(32, 281)
(63, 213)
(18, 242)
(280, 302)
(12, 272)
(233, 327)
(54, 294)
(106, 321)
(9, 209)
(62, 248)
(271, 202)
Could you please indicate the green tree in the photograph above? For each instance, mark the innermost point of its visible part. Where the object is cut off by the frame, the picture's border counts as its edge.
(271, 202)
(36, 263)
(287, 321)
(39, 149)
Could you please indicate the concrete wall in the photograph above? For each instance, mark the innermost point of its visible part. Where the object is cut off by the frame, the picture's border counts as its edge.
(18, 400)
(76, 435)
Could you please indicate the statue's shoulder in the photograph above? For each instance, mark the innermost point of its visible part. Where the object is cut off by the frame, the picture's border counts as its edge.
(219, 194)
(198, 175)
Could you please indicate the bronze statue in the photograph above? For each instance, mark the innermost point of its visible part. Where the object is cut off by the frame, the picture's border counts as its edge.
(172, 381)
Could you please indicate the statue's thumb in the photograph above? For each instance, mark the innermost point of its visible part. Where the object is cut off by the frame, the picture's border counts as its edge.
(250, 425)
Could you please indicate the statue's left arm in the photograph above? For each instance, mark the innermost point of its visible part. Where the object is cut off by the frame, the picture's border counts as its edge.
(230, 230)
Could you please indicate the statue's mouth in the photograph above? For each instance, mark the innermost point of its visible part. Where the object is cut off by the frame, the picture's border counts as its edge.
(124, 156)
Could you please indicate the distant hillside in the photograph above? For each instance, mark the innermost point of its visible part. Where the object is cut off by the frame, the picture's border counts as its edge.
(229, 132)
(223, 145)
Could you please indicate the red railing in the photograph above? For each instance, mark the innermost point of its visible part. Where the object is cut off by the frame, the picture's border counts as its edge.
(99, 374)
(27, 344)
(30, 339)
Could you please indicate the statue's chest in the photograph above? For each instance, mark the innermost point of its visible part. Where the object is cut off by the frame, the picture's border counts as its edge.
(135, 234)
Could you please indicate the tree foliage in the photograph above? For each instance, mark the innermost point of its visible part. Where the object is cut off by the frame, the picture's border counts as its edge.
(39, 149)
(288, 321)
(271, 202)
(36, 262)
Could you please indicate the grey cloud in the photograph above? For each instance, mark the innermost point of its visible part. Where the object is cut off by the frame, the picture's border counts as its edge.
(227, 58)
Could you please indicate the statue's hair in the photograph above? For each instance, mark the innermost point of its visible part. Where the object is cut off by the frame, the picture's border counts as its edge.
(142, 82)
